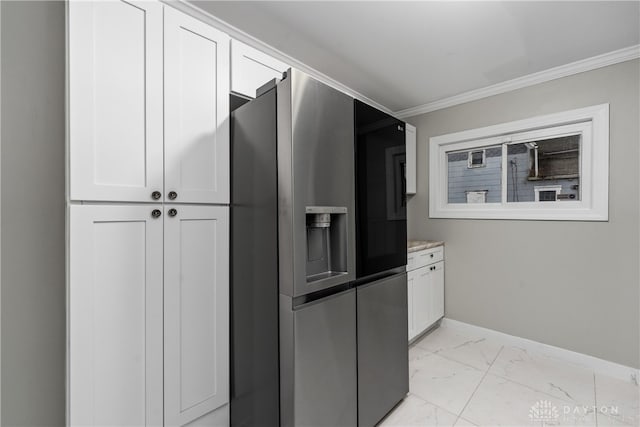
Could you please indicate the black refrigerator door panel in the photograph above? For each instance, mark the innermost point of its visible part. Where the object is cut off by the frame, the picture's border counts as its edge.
(381, 223)
(383, 352)
(254, 265)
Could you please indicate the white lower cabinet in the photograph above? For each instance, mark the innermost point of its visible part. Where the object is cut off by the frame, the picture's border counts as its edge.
(115, 316)
(148, 315)
(437, 289)
(411, 280)
(196, 311)
(425, 291)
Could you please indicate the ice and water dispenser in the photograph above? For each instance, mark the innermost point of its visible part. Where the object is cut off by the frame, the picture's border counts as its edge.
(326, 242)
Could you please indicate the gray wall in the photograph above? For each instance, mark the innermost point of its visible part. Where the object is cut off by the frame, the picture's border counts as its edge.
(32, 241)
(587, 299)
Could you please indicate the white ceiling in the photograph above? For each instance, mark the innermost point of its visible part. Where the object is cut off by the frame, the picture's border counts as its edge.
(404, 54)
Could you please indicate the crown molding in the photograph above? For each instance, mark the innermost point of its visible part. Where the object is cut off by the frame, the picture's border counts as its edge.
(610, 58)
(201, 14)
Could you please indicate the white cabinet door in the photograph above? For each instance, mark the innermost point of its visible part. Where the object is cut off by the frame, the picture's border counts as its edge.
(437, 285)
(251, 69)
(411, 276)
(410, 169)
(115, 316)
(421, 299)
(196, 314)
(196, 84)
(115, 100)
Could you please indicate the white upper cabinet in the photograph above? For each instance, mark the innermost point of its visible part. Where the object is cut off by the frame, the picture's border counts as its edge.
(196, 77)
(410, 170)
(196, 314)
(122, 145)
(251, 69)
(115, 99)
(115, 316)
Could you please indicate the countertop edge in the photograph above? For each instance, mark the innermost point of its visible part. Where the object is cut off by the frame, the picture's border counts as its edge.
(420, 245)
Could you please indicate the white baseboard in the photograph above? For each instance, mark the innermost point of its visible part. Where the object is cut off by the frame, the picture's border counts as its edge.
(599, 366)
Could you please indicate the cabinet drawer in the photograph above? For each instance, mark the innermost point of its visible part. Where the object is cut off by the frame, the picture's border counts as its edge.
(424, 258)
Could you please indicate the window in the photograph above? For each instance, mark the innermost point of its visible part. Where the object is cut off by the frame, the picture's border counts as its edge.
(476, 159)
(547, 193)
(552, 167)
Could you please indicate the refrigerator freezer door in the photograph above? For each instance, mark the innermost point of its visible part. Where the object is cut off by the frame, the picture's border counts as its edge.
(321, 359)
(383, 353)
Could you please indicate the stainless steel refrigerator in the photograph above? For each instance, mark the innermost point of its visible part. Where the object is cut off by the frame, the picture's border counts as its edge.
(293, 246)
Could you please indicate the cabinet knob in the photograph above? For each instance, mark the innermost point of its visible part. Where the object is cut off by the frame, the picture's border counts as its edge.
(173, 195)
(172, 212)
(156, 213)
(156, 195)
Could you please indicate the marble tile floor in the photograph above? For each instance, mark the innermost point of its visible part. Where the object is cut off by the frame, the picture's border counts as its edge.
(460, 379)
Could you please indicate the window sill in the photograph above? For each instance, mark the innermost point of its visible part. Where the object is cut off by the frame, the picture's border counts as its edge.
(547, 178)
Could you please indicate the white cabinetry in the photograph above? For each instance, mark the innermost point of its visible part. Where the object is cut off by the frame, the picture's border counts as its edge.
(118, 319)
(115, 316)
(196, 311)
(251, 69)
(115, 100)
(196, 99)
(121, 146)
(410, 169)
(425, 281)
(148, 281)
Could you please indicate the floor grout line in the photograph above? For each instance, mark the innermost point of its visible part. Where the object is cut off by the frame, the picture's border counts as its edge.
(530, 387)
(437, 353)
(478, 386)
(431, 403)
(462, 363)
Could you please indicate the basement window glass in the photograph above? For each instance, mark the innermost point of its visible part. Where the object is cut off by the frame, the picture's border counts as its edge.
(552, 167)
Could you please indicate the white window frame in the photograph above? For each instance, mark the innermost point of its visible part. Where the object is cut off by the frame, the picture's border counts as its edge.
(591, 122)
